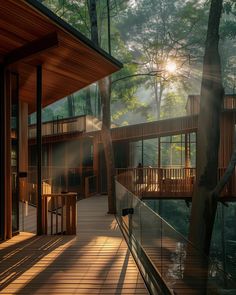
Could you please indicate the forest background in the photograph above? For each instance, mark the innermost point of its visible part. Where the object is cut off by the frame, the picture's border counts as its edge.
(161, 44)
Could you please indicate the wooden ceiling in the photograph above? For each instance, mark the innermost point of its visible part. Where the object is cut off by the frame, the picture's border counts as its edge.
(31, 35)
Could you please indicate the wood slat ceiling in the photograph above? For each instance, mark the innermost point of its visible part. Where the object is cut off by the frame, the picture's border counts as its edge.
(72, 65)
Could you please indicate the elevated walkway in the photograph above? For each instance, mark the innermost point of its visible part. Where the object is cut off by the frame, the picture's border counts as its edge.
(95, 261)
(168, 183)
(72, 128)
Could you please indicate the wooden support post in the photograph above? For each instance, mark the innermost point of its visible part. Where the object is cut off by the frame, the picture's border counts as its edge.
(49, 165)
(187, 150)
(81, 166)
(159, 152)
(5, 151)
(2, 153)
(66, 167)
(39, 149)
(96, 160)
(23, 149)
(5, 155)
(8, 177)
(159, 164)
(142, 151)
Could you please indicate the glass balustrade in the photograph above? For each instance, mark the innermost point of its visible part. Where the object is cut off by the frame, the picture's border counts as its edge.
(177, 264)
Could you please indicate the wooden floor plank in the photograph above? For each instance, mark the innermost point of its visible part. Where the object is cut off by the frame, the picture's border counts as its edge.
(95, 261)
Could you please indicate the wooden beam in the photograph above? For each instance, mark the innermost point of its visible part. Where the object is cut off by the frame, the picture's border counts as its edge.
(5, 155)
(2, 153)
(32, 48)
(8, 147)
(23, 149)
(39, 149)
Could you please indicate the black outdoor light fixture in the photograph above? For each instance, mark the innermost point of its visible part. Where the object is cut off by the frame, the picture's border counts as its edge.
(23, 174)
(127, 211)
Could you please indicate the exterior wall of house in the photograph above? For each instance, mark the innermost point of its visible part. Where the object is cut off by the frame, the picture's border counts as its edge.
(92, 162)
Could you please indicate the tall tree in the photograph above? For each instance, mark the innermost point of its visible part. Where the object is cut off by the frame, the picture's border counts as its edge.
(71, 105)
(88, 102)
(204, 205)
(157, 42)
(76, 13)
(105, 92)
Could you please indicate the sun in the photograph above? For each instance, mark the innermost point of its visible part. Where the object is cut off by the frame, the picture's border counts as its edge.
(171, 67)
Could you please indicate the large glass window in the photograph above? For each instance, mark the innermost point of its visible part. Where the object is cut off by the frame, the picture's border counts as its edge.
(175, 151)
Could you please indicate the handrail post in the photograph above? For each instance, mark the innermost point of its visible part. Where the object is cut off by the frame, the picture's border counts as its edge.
(39, 149)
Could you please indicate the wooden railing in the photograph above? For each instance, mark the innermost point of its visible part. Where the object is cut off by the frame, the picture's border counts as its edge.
(153, 129)
(229, 190)
(59, 213)
(158, 181)
(60, 126)
(60, 178)
(193, 104)
(149, 181)
(229, 102)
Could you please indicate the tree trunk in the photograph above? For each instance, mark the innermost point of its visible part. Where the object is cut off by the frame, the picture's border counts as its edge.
(88, 101)
(93, 20)
(71, 105)
(105, 92)
(225, 178)
(158, 92)
(204, 206)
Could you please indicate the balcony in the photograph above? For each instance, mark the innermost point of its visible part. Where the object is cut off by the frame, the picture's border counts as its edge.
(171, 183)
(60, 126)
(193, 104)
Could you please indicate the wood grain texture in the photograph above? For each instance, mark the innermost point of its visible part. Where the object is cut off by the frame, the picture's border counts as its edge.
(148, 130)
(95, 261)
(70, 66)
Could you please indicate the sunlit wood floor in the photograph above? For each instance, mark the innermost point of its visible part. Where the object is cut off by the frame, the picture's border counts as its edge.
(95, 261)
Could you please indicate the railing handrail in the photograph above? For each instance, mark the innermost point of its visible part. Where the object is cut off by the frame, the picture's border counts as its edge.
(183, 238)
(69, 119)
(162, 167)
(160, 181)
(163, 220)
(60, 126)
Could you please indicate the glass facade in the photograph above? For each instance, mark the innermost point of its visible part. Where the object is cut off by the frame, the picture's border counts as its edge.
(171, 151)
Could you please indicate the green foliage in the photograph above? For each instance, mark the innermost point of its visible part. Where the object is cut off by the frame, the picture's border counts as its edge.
(228, 29)
(145, 35)
(176, 213)
(173, 105)
(229, 7)
(73, 12)
(155, 39)
(123, 92)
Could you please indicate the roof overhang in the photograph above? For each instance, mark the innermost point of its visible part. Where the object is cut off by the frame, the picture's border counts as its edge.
(32, 35)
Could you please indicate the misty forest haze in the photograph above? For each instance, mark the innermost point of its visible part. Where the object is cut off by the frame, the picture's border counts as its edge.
(148, 37)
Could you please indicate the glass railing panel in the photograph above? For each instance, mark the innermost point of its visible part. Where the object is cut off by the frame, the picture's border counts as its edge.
(178, 264)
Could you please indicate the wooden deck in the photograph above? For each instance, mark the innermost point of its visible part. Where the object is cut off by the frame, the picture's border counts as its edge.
(182, 267)
(168, 183)
(95, 261)
(151, 182)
